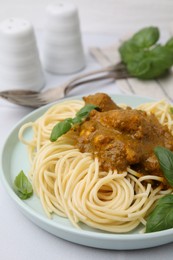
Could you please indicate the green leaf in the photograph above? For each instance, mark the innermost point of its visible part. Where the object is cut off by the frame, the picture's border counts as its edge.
(171, 110)
(154, 63)
(146, 37)
(143, 57)
(165, 158)
(127, 51)
(77, 120)
(60, 129)
(22, 186)
(84, 111)
(64, 126)
(169, 44)
(166, 199)
(161, 217)
(138, 69)
(162, 55)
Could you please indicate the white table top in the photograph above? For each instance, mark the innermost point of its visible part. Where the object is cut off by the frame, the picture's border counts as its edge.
(21, 239)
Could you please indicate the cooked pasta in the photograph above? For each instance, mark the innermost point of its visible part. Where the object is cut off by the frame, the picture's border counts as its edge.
(70, 183)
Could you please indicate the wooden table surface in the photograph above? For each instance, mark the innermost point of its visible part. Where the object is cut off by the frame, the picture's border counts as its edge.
(98, 16)
(102, 21)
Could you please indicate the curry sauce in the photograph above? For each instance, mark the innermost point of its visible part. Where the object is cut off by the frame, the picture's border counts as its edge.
(122, 137)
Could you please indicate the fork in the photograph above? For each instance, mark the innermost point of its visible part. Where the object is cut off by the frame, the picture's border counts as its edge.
(36, 99)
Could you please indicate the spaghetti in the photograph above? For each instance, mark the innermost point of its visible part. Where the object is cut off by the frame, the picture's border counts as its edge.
(70, 184)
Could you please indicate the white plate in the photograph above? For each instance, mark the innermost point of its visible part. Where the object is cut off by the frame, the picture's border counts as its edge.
(14, 158)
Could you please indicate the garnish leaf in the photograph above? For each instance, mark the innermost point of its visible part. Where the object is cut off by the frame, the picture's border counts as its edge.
(171, 110)
(140, 68)
(77, 120)
(22, 186)
(166, 199)
(165, 158)
(127, 50)
(84, 111)
(161, 217)
(146, 37)
(64, 126)
(169, 44)
(143, 57)
(60, 129)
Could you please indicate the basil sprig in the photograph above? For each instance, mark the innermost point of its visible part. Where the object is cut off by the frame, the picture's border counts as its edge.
(144, 57)
(64, 126)
(22, 186)
(161, 217)
(165, 158)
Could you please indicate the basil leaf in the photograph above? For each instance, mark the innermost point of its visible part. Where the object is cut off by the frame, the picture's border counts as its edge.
(143, 57)
(150, 64)
(84, 111)
(169, 44)
(60, 129)
(166, 199)
(162, 55)
(146, 37)
(161, 217)
(77, 120)
(22, 186)
(127, 51)
(171, 110)
(64, 126)
(139, 69)
(165, 158)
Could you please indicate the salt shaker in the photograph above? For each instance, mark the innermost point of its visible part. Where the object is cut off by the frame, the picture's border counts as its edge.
(20, 66)
(63, 50)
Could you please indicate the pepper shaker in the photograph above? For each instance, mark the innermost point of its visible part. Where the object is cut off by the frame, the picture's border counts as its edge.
(20, 66)
(63, 50)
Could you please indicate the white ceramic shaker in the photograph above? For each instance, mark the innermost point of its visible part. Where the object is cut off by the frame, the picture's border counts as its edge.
(63, 50)
(20, 66)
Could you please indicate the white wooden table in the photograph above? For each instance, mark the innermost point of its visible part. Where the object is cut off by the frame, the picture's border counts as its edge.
(19, 238)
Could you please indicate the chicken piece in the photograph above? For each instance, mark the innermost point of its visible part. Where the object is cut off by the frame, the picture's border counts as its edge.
(134, 123)
(101, 100)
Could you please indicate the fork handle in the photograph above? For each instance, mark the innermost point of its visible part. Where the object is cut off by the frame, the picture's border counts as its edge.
(112, 75)
(119, 67)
